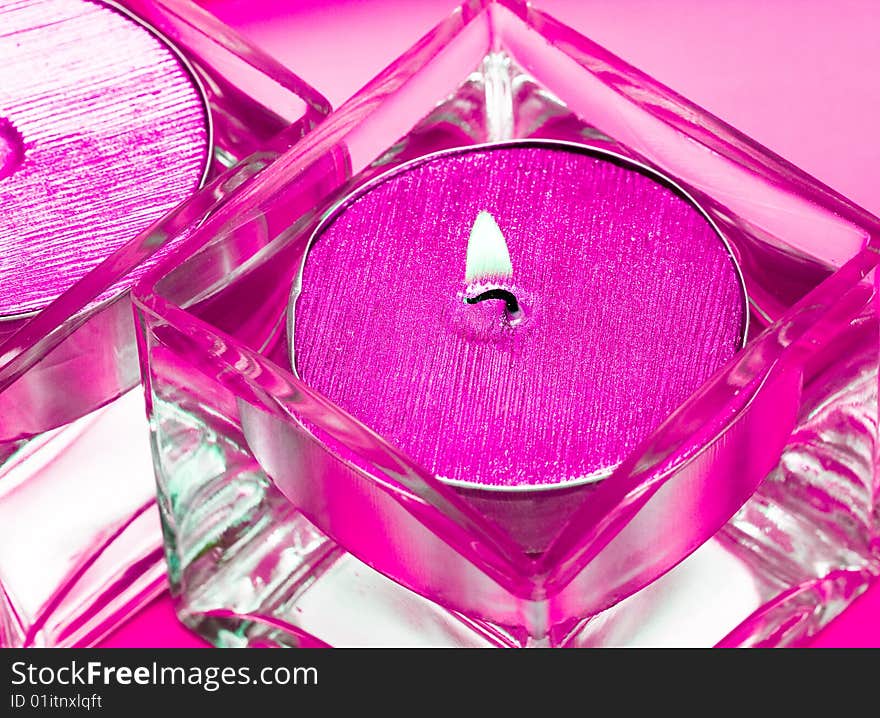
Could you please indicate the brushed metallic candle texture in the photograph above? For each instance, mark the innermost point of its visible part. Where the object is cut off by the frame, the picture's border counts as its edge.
(102, 131)
(631, 301)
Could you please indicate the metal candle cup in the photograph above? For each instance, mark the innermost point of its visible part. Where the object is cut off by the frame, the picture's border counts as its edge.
(524, 382)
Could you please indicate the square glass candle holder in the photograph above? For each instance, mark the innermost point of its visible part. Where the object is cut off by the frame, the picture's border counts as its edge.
(79, 531)
(748, 518)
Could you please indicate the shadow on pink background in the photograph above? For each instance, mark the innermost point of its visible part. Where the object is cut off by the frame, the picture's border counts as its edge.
(799, 76)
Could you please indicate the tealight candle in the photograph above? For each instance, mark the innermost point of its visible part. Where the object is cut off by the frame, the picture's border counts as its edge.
(103, 130)
(516, 318)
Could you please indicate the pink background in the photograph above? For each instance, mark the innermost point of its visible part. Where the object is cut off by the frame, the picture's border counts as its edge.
(799, 76)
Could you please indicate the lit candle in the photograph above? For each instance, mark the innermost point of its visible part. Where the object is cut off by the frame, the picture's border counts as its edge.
(102, 131)
(516, 317)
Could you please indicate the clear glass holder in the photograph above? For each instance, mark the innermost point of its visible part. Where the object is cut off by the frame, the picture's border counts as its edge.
(748, 518)
(79, 530)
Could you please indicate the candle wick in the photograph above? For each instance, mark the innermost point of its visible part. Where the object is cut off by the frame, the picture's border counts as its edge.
(487, 252)
(488, 257)
(511, 303)
(11, 148)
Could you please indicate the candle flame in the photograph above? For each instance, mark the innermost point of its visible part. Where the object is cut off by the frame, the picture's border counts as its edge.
(487, 252)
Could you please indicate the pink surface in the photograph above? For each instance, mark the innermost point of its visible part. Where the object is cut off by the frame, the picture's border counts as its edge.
(91, 124)
(156, 626)
(620, 320)
(797, 75)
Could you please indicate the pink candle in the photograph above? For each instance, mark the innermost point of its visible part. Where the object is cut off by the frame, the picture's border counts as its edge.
(516, 317)
(102, 131)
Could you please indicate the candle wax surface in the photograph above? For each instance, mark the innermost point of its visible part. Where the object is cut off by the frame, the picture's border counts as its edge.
(630, 301)
(102, 132)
